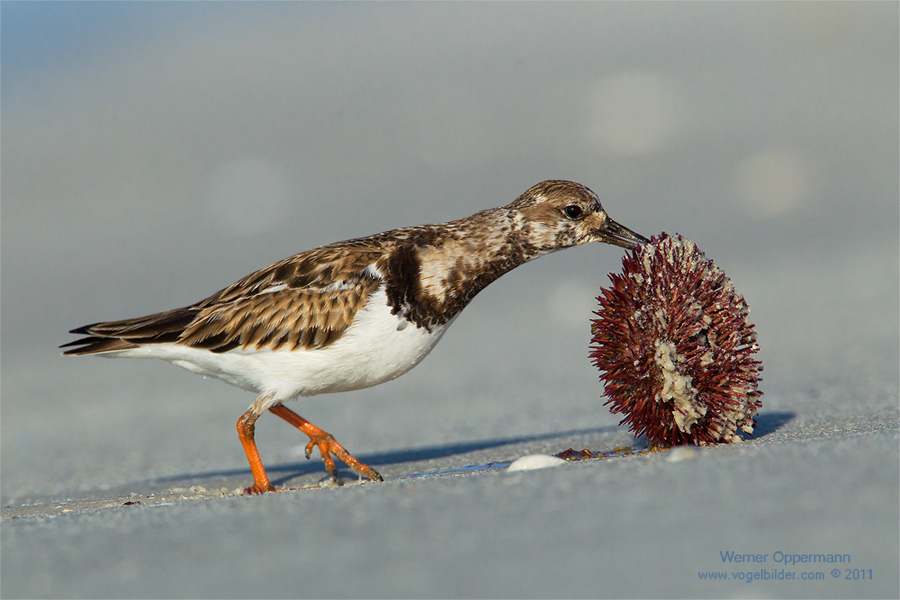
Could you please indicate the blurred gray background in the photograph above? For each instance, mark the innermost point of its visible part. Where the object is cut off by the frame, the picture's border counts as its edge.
(153, 153)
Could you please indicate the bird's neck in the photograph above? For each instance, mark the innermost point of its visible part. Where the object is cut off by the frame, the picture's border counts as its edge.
(433, 276)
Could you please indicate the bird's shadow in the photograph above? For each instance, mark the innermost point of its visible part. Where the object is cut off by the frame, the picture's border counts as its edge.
(281, 473)
(766, 424)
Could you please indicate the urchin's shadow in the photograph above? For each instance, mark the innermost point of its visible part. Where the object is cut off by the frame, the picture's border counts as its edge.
(767, 423)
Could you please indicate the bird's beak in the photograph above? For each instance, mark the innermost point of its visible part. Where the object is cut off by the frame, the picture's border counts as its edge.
(619, 235)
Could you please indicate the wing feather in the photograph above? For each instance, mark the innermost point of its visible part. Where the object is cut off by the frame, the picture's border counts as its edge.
(305, 302)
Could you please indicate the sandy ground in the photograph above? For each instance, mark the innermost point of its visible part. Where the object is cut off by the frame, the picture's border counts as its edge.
(153, 154)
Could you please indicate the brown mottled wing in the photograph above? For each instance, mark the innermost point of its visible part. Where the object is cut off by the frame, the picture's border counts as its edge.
(290, 318)
(306, 301)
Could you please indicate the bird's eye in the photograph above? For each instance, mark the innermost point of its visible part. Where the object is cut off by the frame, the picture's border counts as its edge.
(573, 211)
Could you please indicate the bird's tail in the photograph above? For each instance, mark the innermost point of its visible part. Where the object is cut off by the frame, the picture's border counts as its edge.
(113, 336)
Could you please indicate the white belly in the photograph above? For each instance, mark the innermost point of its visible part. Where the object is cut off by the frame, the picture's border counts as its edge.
(378, 347)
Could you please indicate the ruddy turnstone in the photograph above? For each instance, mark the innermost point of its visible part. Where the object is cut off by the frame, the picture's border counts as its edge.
(352, 314)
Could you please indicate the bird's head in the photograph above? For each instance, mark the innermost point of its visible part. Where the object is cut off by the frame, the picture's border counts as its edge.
(557, 214)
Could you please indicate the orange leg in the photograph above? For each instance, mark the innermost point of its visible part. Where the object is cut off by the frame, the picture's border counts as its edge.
(317, 438)
(246, 427)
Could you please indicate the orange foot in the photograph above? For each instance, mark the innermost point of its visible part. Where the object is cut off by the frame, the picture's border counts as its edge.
(253, 489)
(326, 444)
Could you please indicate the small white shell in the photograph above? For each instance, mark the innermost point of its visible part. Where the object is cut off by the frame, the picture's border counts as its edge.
(680, 453)
(535, 461)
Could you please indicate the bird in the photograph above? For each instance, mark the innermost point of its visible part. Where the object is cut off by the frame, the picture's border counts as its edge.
(352, 314)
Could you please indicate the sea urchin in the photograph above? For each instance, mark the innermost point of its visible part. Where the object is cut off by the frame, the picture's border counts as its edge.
(674, 347)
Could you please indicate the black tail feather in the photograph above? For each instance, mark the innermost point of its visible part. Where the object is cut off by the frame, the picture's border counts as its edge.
(109, 336)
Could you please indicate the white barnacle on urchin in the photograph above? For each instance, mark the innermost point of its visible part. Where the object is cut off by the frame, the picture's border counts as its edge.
(676, 387)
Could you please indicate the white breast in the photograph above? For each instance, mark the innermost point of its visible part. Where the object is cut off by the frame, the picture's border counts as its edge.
(377, 347)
